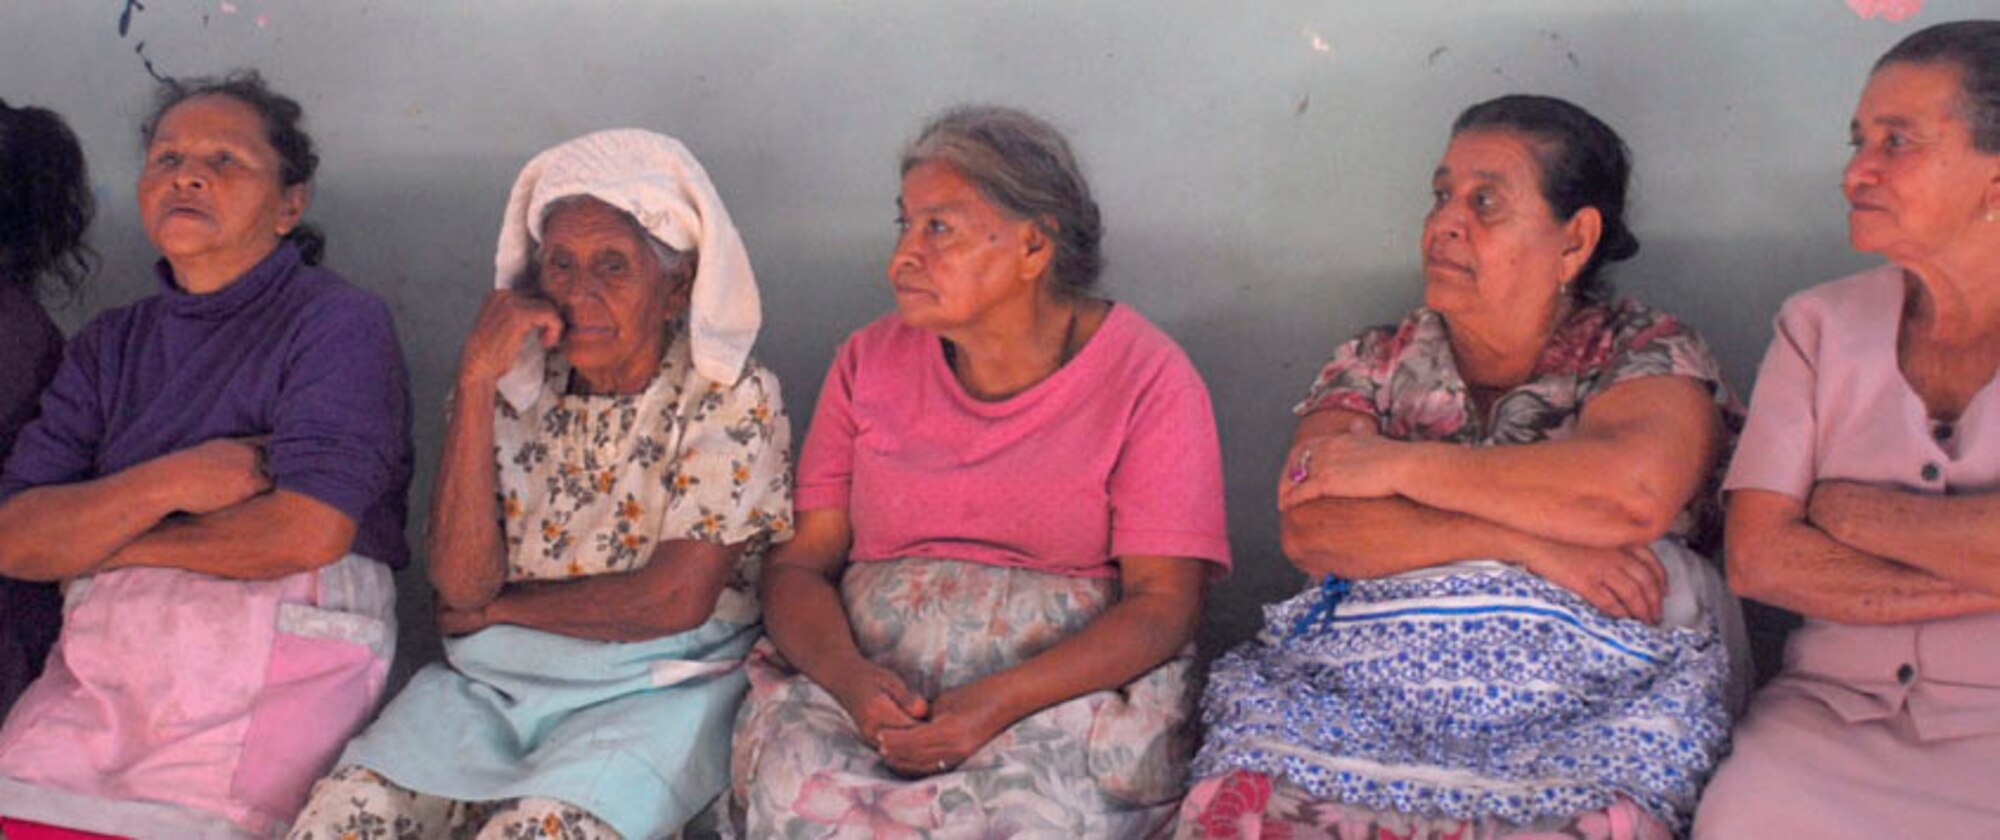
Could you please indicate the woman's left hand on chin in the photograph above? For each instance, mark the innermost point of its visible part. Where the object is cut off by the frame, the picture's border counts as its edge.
(961, 721)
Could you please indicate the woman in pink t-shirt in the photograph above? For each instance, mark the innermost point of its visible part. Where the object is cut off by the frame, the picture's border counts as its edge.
(1863, 493)
(1009, 503)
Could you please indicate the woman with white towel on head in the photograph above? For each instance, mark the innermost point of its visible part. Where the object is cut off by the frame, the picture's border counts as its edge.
(614, 466)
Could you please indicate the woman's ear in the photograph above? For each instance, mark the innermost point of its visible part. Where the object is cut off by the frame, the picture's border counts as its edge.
(292, 203)
(1580, 236)
(681, 278)
(1991, 209)
(1038, 251)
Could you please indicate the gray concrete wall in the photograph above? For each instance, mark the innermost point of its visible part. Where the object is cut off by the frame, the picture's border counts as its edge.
(1263, 166)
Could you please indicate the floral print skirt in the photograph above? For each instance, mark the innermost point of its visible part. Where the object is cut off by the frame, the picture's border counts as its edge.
(1475, 694)
(1246, 805)
(1107, 764)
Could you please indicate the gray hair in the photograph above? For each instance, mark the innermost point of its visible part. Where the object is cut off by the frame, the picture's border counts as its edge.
(679, 266)
(1972, 46)
(1024, 167)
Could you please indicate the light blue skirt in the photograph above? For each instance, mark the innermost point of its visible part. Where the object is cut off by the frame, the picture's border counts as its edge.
(522, 712)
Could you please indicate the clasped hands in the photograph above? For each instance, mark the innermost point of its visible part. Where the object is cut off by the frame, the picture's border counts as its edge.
(915, 736)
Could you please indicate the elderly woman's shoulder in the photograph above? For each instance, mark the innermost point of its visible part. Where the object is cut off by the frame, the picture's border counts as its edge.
(325, 287)
(1859, 293)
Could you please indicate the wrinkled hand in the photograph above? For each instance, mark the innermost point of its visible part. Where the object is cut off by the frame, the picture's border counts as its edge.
(1624, 582)
(506, 319)
(878, 701)
(962, 720)
(218, 474)
(1837, 507)
(1357, 463)
(453, 622)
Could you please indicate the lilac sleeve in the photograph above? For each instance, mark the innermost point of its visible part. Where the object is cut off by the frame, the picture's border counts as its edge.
(341, 428)
(1776, 449)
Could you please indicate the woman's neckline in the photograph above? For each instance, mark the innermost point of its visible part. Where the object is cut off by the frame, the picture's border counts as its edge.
(1075, 349)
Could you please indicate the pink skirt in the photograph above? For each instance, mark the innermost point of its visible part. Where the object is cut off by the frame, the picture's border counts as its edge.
(1800, 770)
(185, 705)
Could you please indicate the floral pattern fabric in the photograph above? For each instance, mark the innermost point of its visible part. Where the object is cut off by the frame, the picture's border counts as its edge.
(1474, 696)
(1252, 806)
(1471, 692)
(1107, 764)
(590, 485)
(358, 804)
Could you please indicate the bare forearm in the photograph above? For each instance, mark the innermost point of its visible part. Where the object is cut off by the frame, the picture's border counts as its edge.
(272, 535)
(1800, 568)
(1956, 538)
(807, 621)
(1585, 492)
(468, 562)
(62, 531)
(598, 607)
(1132, 637)
(1372, 538)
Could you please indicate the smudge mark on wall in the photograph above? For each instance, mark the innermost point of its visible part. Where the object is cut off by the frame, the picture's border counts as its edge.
(132, 7)
(148, 62)
(1313, 39)
(1432, 59)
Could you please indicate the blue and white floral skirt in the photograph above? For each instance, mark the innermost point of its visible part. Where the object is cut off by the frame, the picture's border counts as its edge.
(1477, 691)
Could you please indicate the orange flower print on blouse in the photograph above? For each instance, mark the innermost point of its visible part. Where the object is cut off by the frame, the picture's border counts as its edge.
(603, 481)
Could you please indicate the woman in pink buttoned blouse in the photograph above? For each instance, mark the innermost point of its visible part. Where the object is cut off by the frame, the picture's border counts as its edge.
(1862, 493)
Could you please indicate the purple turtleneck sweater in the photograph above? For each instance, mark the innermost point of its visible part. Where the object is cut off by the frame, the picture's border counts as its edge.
(288, 350)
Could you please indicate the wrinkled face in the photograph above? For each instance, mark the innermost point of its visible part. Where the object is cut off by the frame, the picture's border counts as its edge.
(1915, 186)
(614, 296)
(1492, 245)
(958, 257)
(211, 194)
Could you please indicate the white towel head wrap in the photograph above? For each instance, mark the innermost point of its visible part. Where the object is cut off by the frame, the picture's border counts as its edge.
(655, 179)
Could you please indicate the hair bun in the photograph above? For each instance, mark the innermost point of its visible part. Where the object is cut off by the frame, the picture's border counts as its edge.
(1618, 243)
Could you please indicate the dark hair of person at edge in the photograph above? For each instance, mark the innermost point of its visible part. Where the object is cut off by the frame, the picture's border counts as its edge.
(45, 201)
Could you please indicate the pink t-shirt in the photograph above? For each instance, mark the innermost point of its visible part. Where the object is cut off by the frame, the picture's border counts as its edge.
(1831, 404)
(1114, 455)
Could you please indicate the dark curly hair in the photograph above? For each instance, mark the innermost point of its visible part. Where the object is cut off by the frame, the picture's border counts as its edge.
(45, 201)
(1972, 46)
(1025, 167)
(1584, 164)
(281, 116)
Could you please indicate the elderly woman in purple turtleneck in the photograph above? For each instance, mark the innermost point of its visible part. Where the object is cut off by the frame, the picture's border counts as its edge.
(218, 478)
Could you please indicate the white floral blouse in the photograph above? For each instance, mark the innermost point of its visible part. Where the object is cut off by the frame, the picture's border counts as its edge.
(591, 484)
